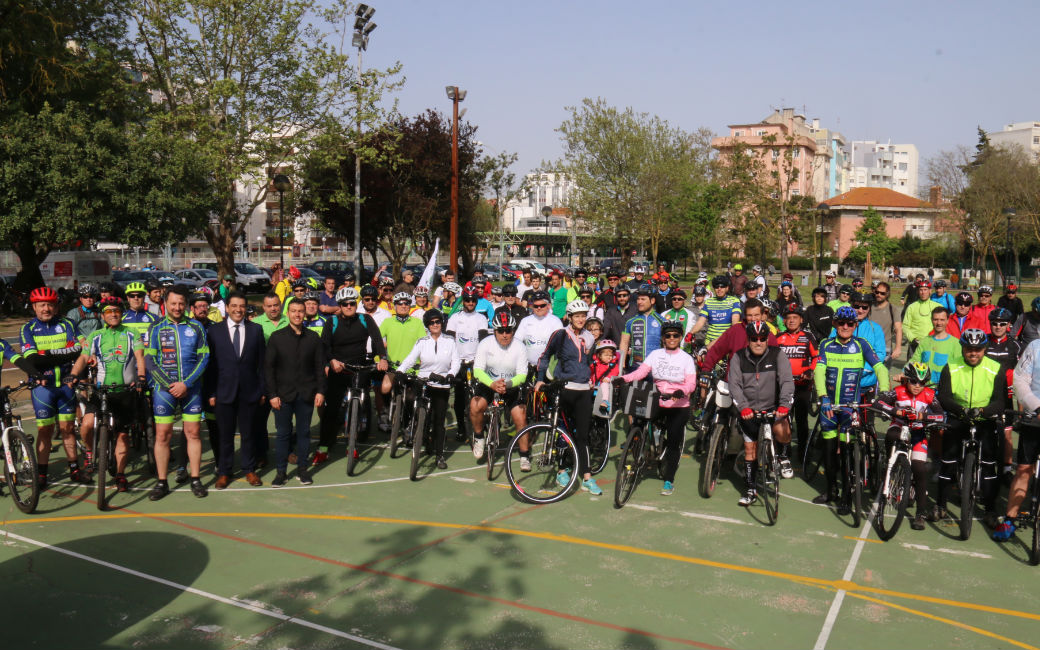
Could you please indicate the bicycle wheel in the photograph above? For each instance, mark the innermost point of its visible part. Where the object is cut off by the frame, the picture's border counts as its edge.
(814, 450)
(856, 483)
(715, 458)
(491, 443)
(396, 415)
(769, 481)
(21, 473)
(551, 450)
(894, 505)
(871, 467)
(630, 467)
(149, 448)
(968, 494)
(419, 424)
(352, 433)
(101, 457)
(814, 402)
(599, 445)
(1034, 551)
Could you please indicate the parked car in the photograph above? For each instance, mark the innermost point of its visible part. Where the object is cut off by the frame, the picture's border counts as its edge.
(248, 277)
(491, 272)
(335, 268)
(198, 278)
(123, 278)
(507, 273)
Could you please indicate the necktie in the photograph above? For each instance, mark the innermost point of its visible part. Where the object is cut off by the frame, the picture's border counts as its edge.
(237, 341)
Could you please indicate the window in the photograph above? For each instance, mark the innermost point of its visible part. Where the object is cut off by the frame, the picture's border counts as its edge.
(1036, 139)
(902, 167)
(738, 134)
(760, 132)
(795, 192)
(795, 153)
(776, 154)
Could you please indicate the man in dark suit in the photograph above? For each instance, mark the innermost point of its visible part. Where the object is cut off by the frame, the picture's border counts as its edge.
(235, 386)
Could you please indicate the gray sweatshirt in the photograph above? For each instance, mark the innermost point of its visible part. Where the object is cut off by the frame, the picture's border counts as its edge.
(753, 381)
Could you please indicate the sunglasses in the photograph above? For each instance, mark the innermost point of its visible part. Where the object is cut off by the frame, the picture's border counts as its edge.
(861, 307)
(504, 330)
(914, 381)
(542, 305)
(368, 299)
(350, 304)
(469, 300)
(671, 335)
(967, 348)
(679, 298)
(436, 322)
(881, 293)
(758, 339)
(844, 323)
(1001, 323)
(135, 295)
(403, 302)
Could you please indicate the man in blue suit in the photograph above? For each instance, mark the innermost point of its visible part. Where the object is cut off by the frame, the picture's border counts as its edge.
(235, 386)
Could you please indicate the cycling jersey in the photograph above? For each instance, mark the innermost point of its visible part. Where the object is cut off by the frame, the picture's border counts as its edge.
(924, 404)
(87, 322)
(800, 351)
(400, 336)
(493, 362)
(981, 315)
(7, 352)
(435, 356)
(681, 315)
(139, 322)
(917, 320)
(946, 300)
(840, 368)
(113, 348)
(870, 332)
(1027, 377)
(534, 332)
(719, 314)
(964, 387)
(936, 353)
(466, 326)
(644, 331)
(351, 339)
(56, 338)
(177, 352)
(671, 370)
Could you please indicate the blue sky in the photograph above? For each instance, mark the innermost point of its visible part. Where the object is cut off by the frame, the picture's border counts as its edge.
(922, 72)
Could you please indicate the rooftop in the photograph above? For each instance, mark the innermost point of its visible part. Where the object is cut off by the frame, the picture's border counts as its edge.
(878, 197)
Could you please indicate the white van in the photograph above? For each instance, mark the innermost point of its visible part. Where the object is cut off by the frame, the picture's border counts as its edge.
(529, 263)
(68, 270)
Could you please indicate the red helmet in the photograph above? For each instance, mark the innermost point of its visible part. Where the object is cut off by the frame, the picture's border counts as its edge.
(294, 273)
(43, 294)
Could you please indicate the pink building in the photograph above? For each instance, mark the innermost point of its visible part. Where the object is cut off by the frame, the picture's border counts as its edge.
(902, 214)
(771, 154)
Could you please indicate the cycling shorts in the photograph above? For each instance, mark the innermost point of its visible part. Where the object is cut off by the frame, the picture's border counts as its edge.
(511, 397)
(829, 426)
(120, 407)
(53, 403)
(164, 405)
(1028, 445)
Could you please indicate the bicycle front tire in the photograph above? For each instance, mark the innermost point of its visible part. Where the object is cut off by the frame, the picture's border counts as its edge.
(968, 494)
(895, 504)
(769, 486)
(551, 450)
(419, 422)
(856, 482)
(21, 478)
(630, 466)
(491, 439)
(715, 458)
(815, 448)
(397, 413)
(352, 433)
(101, 455)
(599, 445)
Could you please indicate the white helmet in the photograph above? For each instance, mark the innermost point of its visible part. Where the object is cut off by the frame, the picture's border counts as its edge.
(402, 296)
(577, 307)
(452, 287)
(422, 291)
(346, 293)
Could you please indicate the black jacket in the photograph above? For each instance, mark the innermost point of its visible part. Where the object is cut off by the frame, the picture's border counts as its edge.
(345, 339)
(818, 319)
(230, 377)
(294, 365)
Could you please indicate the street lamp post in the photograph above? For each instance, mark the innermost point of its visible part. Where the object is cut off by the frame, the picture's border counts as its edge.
(546, 213)
(1009, 255)
(362, 28)
(259, 250)
(282, 184)
(823, 209)
(456, 96)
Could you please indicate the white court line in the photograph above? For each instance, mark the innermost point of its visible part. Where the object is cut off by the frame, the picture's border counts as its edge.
(694, 515)
(832, 614)
(252, 606)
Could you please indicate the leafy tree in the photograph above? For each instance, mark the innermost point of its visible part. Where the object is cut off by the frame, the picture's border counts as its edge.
(697, 210)
(872, 237)
(252, 83)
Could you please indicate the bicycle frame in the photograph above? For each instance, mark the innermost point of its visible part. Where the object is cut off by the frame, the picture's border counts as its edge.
(10, 422)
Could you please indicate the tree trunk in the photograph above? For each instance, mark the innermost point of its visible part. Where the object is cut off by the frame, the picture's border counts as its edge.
(221, 239)
(29, 277)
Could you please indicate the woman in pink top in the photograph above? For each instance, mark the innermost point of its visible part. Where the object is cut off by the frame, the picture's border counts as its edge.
(675, 375)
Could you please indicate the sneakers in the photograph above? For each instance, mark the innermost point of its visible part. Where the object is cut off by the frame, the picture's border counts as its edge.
(589, 485)
(122, 485)
(563, 478)
(79, 475)
(525, 464)
(917, 523)
(160, 490)
(845, 507)
(182, 476)
(825, 498)
(786, 471)
(749, 497)
(384, 422)
(198, 489)
(991, 519)
(441, 463)
(938, 513)
(478, 448)
(319, 458)
(303, 477)
(1004, 531)
(279, 479)
(667, 489)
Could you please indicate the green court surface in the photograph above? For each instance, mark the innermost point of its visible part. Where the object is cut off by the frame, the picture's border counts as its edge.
(454, 560)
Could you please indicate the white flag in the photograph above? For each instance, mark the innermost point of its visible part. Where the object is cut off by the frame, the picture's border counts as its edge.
(427, 275)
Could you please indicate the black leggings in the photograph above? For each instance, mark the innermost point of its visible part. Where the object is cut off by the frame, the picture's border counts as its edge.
(675, 432)
(438, 411)
(577, 404)
(919, 468)
(461, 405)
(802, 399)
(989, 447)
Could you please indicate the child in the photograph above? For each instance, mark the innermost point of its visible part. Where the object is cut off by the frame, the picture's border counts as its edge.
(603, 369)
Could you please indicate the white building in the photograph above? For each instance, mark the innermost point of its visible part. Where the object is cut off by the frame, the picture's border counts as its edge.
(893, 166)
(1023, 134)
(524, 212)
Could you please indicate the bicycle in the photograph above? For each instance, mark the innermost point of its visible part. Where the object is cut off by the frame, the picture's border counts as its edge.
(397, 410)
(420, 427)
(492, 428)
(552, 451)
(643, 444)
(142, 430)
(896, 488)
(20, 468)
(768, 478)
(970, 476)
(104, 449)
(722, 425)
(355, 399)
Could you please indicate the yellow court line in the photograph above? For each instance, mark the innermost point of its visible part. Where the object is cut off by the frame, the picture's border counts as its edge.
(846, 585)
(863, 539)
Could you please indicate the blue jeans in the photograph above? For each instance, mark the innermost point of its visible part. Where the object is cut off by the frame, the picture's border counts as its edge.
(302, 409)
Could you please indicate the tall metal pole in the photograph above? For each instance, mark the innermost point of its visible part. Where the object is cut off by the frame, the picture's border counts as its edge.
(358, 274)
(281, 228)
(453, 262)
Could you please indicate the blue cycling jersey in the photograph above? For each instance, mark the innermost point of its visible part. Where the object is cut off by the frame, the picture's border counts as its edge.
(59, 334)
(176, 352)
(139, 322)
(840, 366)
(7, 352)
(645, 333)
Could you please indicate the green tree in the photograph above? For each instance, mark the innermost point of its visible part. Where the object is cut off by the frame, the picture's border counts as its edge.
(871, 237)
(697, 210)
(252, 84)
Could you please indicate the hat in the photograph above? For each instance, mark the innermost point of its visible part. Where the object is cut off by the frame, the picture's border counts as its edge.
(788, 276)
(228, 276)
(830, 274)
(786, 283)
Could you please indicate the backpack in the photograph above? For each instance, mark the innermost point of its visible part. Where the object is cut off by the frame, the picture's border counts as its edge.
(335, 322)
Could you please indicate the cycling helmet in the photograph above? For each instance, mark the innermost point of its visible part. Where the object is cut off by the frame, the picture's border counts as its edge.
(1012, 287)
(672, 325)
(699, 290)
(312, 295)
(112, 301)
(503, 319)
(496, 291)
(787, 283)
(639, 269)
(819, 290)
(963, 298)
(845, 313)
(644, 290)
(469, 293)
(857, 299)
(402, 296)
(430, 315)
(939, 284)
(367, 291)
(135, 287)
(43, 294)
(1035, 304)
(720, 281)
(1001, 315)
(845, 288)
(857, 283)
(974, 338)
(771, 307)
(577, 307)
(386, 281)
(422, 291)
(678, 292)
(195, 297)
(452, 287)
(87, 290)
(167, 281)
(703, 275)
(917, 372)
(793, 308)
(509, 290)
(539, 295)
(294, 273)
(313, 283)
(985, 289)
(606, 344)
(300, 284)
(614, 272)
(152, 284)
(756, 268)
(738, 267)
(347, 294)
(206, 290)
(756, 329)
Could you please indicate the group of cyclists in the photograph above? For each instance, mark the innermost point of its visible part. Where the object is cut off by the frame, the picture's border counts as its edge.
(584, 332)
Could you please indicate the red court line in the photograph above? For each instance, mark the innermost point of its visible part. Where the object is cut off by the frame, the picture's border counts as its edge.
(434, 585)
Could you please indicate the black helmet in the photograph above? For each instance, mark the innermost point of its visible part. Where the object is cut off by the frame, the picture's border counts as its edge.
(756, 328)
(974, 338)
(151, 284)
(1001, 315)
(819, 290)
(87, 290)
(672, 325)
(845, 288)
(430, 315)
(368, 291)
(720, 281)
(509, 290)
(793, 308)
(503, 319)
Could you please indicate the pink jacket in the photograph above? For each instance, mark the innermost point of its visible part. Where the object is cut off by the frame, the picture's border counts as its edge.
(672, 370)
